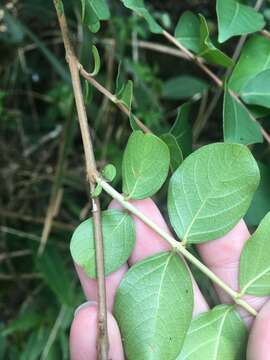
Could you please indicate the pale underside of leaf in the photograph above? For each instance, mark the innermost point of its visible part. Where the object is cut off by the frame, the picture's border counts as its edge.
(255, 279)
(158, 294)
(207, 194)
(218, 334)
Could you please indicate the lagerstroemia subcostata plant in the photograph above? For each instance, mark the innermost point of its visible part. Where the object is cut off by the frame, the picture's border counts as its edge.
(209, 192)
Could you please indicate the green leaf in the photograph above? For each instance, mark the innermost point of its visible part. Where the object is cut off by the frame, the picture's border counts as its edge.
(89, 17)
(101, 8)
(88, 92)
(193, 33)
(109, 172)
(211, 191)
(254, 277)
(134, 126)
(157, 297)
(96, 61)
(250, 63)
(139, 8)
(238, 126)
(261, 201)
(97, 191)
(257, 90)
(217, 334)
(187, 31)
(183, 87)
(93, 11)
(176, 154)
(237, 19)
(145, 165)
(54, 272)
(118, 236)
(208, 51)
(125, 94)
(182, 130)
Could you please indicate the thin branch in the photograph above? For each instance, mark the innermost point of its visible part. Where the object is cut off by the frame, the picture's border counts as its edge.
(28, 218)
(176, 245)
(213, 76)
(168, 50)
(266, 34)
(91, 174)
(235, 57)
(87, 76)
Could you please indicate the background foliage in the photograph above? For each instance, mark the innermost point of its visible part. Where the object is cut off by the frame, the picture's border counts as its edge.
(43, 191)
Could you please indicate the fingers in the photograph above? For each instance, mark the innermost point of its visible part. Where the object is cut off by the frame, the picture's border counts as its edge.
(259, 339)
(112, 282)
(148, 243)
(222, 256)
(83, 336)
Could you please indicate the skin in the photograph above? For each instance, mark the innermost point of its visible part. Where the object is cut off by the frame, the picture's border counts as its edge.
(221, 256)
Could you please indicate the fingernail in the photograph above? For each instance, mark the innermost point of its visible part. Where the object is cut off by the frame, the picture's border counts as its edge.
(83, 305)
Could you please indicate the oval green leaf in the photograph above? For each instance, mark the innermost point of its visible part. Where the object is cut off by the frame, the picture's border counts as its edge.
(118, 237)
(153, 307)
(211, 191)
(238, 126)
(208, 51)
(109, 172)
(139, 8)
(254, 277)
(183, 87)
(237, 19)
(257, 90)
(219, 334)
(93, 11)
(250, 64)
(187, 31)
(145, 165)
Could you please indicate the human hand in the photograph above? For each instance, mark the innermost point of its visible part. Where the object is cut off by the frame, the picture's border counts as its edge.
(221, 256)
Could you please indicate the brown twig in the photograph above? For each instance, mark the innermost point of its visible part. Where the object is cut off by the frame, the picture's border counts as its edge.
(235, 57)
(91, 174)
(87, 76)
(266, 34)
(36, 220)
(213, 76)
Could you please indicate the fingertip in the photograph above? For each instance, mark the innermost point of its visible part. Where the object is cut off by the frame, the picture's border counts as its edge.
(112, 282)
(259, 339)
(148, 242)
(83, 336)
(226, 249)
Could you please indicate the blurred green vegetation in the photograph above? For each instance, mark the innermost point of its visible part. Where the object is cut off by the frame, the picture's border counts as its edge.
(44, 193)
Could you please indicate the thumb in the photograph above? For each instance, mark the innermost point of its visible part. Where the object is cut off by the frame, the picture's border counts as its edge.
(83, 335)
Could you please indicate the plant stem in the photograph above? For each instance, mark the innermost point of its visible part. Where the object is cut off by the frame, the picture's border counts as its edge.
(217, 95)
(91, 171)
(176, 245)
(213, 76)
(87, 76)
